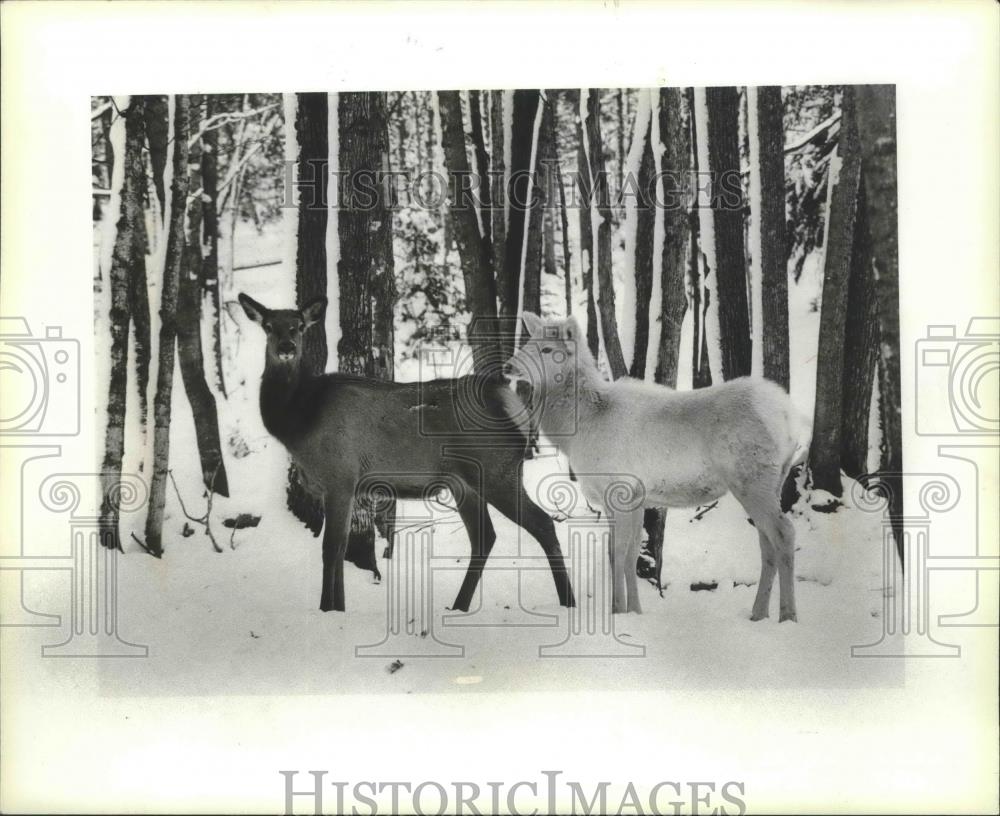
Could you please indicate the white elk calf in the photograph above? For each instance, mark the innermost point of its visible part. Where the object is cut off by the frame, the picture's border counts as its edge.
(673, 448)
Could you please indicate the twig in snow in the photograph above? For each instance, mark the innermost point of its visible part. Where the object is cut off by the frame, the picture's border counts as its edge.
(136, 539)
(701, 513)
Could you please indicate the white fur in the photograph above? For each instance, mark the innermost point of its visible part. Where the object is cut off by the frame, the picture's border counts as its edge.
(669, 448)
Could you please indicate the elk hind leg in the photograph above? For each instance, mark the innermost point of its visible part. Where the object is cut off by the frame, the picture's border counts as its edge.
(765, 512)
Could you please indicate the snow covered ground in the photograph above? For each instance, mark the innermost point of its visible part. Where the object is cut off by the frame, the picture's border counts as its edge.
(246, 621)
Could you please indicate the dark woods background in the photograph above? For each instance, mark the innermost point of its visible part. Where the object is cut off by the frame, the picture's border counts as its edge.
(190, 197)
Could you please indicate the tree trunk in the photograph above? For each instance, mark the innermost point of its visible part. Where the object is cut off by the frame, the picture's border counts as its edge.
(676, 170)
(643, 249)
(701, 375)
(599, 188)
(210, 265)
(586, 231)
(773, 243)
(536, 221)
(138, 292)
(824, 452)
(564, 232)
(509, 276)
(498, 186)
(474, 249)
(483, 172)
(860, 349)
(192, 360)
(727, 212)
(127, 255)
(158, 137)
(168, 328)
(310, 267)
(365, 270)
(876, 113)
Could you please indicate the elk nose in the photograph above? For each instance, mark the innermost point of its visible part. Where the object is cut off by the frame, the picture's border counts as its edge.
(286, 349)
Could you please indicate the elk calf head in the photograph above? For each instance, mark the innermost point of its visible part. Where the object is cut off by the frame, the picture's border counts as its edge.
(549, 352)
(284, 327)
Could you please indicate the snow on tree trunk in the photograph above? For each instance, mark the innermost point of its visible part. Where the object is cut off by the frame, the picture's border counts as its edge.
(474, 250)
(698, 268)
(769, 253)
(637, 274)
(210, 266)
(845, 177)
(189, 344)
(127, 255)
(483, 188)
(731, 308)
(531, 276)
(168, 327)
(563, 213)
(876, 115)
(365, 270)
(608, 327)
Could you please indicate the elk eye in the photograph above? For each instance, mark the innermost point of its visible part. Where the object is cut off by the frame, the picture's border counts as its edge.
(293, 330)
(547, 350)
(267, 327)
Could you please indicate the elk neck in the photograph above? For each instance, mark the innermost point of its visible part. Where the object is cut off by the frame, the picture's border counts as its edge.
(280, 398)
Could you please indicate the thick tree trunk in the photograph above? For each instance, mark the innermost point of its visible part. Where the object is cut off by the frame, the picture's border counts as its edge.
(138, 292)
(876, 112)
(520, 191)
(168, 328)
(860, 349)
(824, 452)
(599, 188)
(676, 170)
(643, 249)
(158, 137)
(128, 254)
(727, 210)
(474, 250)
(311, 127)
(189, 348)
(773, 243)
(586, 231)
(365, 271)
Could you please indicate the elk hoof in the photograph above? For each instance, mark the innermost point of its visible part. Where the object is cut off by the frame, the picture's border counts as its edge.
(788, 616)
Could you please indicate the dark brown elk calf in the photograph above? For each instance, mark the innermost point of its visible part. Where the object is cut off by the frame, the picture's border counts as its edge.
(353, 436)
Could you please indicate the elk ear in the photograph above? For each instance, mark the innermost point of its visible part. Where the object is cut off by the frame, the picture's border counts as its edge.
(571, 329)
(255, 311)
(533, 323)
(314, 311)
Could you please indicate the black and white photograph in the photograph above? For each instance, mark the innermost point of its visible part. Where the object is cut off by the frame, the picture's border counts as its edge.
(411, 438)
